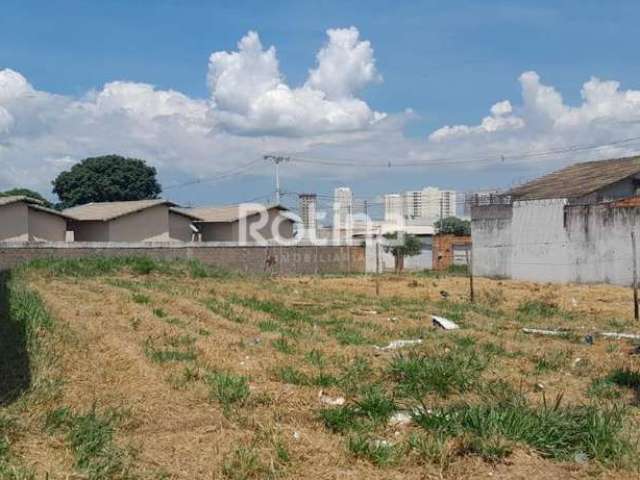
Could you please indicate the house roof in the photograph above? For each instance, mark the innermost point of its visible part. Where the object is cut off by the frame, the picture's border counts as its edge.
(227, 213)
(31, 203)
(18, 198)
(184, 212)
(105, 211)
(578, 180)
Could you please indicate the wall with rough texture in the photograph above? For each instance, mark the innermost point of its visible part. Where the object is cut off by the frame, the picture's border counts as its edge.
(551, 241)
(491, 234)
(443, 249)
(284, 260)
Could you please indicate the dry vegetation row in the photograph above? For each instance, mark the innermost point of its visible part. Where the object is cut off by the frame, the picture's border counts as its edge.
(131, 368)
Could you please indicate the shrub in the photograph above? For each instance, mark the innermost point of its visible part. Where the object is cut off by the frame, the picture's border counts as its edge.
(228, 388)
(554, 431)
(378, 452)
(418, 374)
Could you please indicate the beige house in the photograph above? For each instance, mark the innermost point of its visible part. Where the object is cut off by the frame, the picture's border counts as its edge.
(24, 219)
(134, 221)
(248, 222)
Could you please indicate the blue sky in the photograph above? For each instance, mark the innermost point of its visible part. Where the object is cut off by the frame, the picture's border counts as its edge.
(447, 61)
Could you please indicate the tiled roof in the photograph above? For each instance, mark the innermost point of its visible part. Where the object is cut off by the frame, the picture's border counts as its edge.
(578, 180)
(104, 211)
(227, 213)
(32, 203)
(18, 198)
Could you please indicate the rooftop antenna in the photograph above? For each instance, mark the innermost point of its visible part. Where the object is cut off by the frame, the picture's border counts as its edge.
(277, 160)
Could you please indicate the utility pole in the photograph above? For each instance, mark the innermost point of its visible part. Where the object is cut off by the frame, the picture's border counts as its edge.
(277, 160)
(472, 296)
(636, 313)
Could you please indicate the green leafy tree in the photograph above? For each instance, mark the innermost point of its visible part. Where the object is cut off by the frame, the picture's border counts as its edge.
(453, 226)
(109, 178)
(26, 193)
(405, 246)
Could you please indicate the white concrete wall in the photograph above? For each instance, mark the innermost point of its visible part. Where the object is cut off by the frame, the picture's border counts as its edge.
(539, 242)
(601, 241)
(491, 235)
(548, 241)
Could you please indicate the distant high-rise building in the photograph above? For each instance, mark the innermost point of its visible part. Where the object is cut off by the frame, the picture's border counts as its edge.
(448, 198)
(307, 206)
(342, 208)
(426, 205)
(393, 208)
(412, 204)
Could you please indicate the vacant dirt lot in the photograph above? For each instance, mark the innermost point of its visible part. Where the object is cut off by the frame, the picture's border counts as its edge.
(170, 373)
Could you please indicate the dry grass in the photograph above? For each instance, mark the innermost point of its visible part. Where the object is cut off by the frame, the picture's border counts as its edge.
(219, 377)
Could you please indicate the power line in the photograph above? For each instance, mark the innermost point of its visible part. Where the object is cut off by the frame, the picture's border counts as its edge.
(221, 176)
(494, 158)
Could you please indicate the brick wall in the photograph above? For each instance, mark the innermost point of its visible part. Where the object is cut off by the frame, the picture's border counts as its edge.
(443, 249)
(284, 260)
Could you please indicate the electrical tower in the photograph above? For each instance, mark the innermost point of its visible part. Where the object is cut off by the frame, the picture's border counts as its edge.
(277, 160)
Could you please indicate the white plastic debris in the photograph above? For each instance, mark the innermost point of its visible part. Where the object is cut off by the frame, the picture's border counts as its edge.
(379, 442)
(333, 401)
(296, 435)
(396, 344)
(537, 331)
(631, 336)
(399, 419)
(443, 323)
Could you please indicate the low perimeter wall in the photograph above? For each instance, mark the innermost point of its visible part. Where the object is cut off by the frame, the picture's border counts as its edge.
(283, 260)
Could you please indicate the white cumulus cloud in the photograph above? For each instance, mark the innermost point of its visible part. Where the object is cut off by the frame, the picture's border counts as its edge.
(252, 110)
(542, 120)
(250, 95)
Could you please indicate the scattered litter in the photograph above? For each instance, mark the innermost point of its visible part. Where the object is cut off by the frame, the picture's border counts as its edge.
(296, 435)
(379, 442)
(632, 336)
(396, 344)
(574, 302)
(413, 283)
(444, 294)
(364, 312)
(581, 457)
(443, 323)
(537, 331)
(577, 361)
(399, 419)
(538, 387)
(588, 339)
(393, 319)
(333, 401)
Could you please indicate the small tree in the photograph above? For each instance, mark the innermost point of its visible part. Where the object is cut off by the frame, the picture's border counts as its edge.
(454, 226)
(106, 179)
(405, 246)
(26, 193)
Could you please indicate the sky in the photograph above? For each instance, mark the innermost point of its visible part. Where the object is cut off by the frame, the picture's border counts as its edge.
(382, 96)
